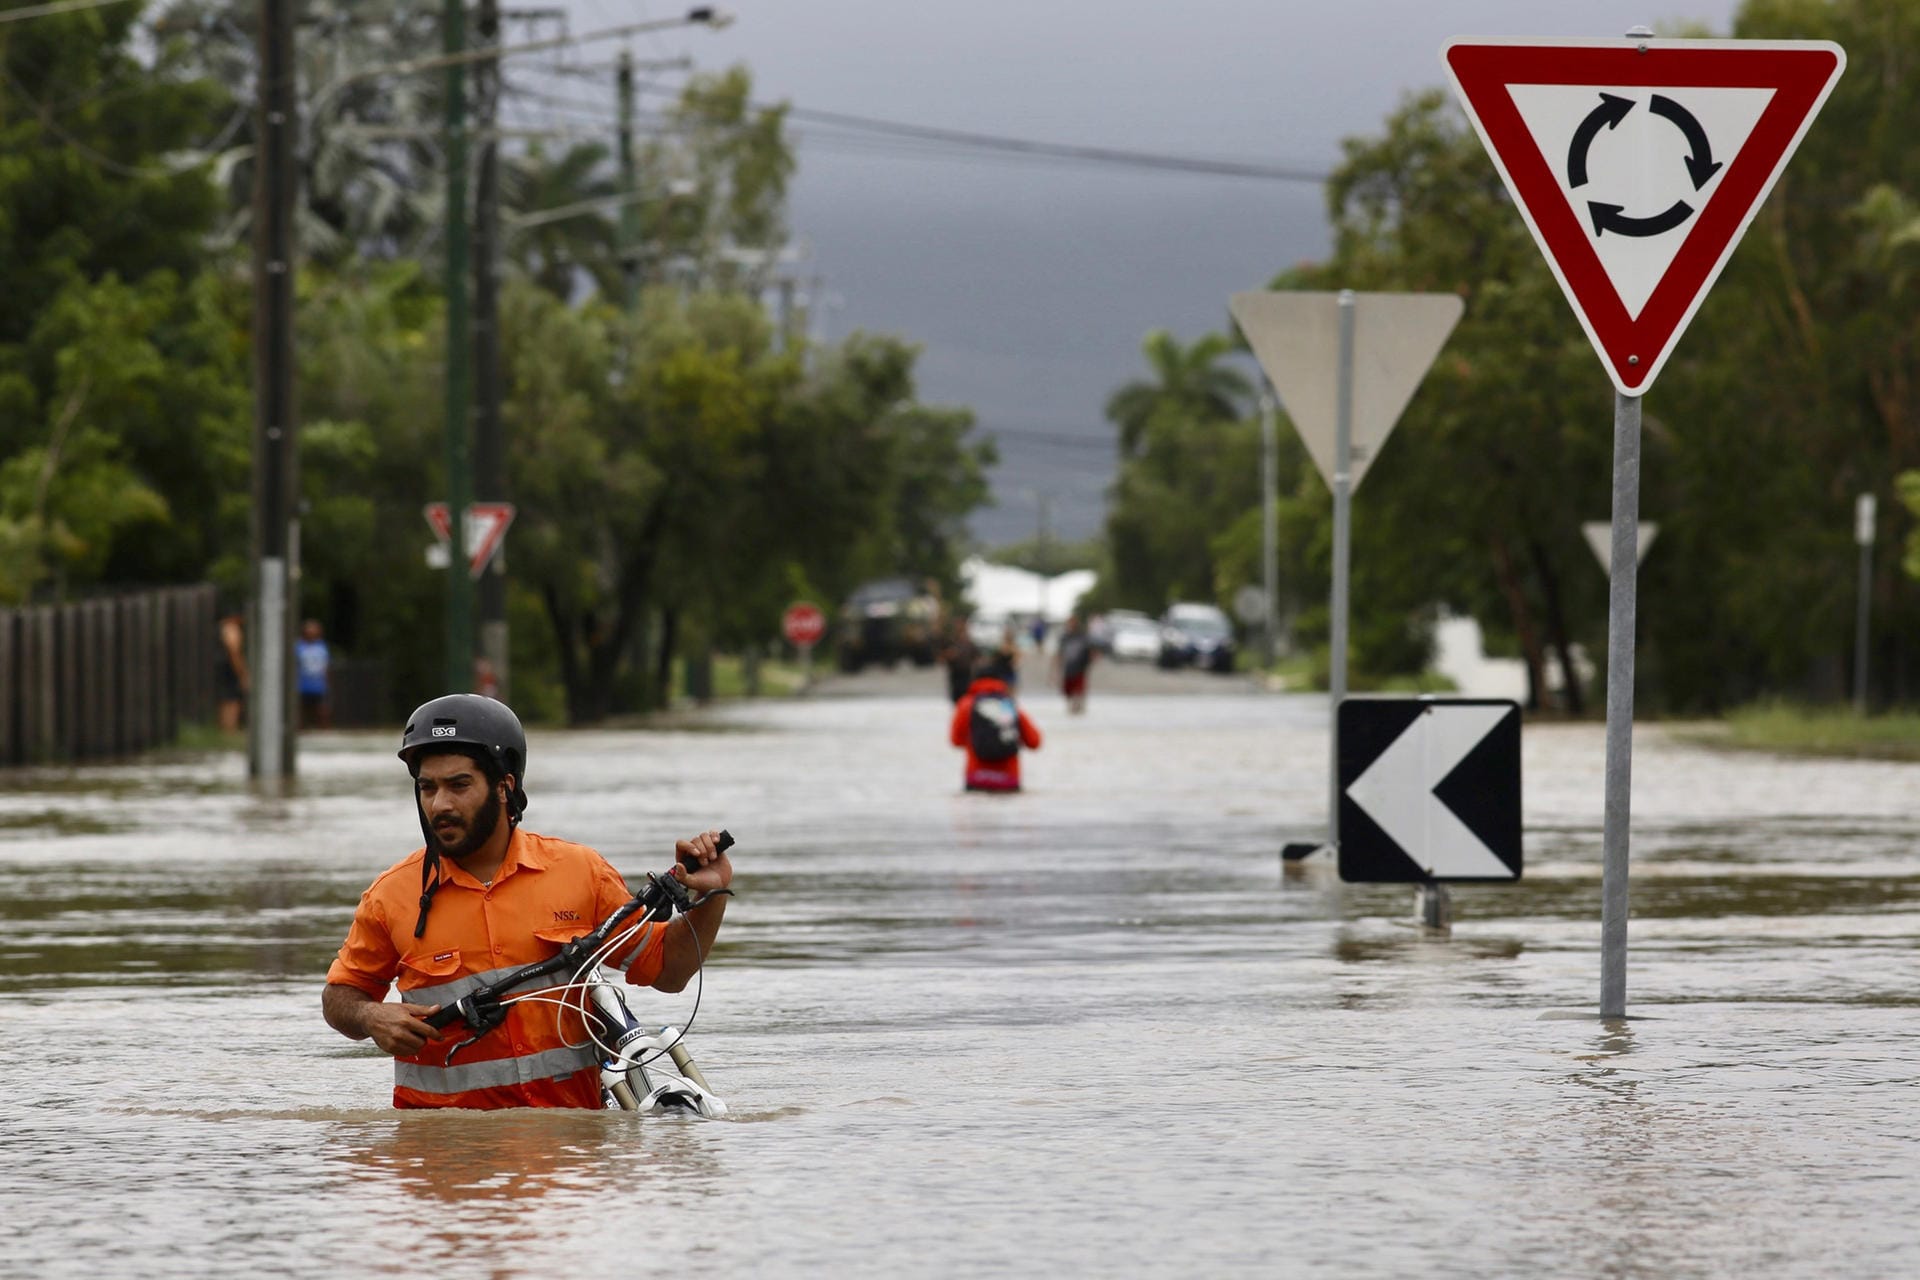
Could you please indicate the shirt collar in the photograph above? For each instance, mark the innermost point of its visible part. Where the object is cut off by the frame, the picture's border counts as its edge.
(523, 854)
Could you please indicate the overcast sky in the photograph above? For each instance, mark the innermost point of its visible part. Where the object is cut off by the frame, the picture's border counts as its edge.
(1031, 283)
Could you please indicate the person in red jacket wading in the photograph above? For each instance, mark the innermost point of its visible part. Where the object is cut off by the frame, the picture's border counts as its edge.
(992, 728)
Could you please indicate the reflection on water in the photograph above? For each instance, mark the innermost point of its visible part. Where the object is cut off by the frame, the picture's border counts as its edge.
(506, 1161)
(1097, 1028)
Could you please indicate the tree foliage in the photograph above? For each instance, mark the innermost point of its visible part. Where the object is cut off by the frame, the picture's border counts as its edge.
(122, 392)
(680, 469)
(1796, 388)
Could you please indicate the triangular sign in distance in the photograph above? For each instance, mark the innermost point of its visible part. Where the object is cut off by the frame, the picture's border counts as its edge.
(1599, 536)
(1638, 164)
(483, 531)
(486, 529)
(1296, 338)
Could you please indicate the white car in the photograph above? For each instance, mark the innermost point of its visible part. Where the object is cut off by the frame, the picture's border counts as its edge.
(1135, 636)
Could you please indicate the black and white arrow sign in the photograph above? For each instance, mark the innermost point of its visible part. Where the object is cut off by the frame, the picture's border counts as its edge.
(1429, 790)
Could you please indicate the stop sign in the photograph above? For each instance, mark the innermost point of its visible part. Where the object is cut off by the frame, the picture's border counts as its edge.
(803, 624)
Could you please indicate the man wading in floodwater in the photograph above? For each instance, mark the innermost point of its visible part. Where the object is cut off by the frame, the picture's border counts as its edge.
(485, 896)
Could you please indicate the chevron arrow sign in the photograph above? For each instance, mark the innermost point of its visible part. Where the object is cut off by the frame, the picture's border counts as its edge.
(1429, 790)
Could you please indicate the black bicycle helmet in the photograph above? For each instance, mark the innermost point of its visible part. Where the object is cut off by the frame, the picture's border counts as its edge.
(471, 725)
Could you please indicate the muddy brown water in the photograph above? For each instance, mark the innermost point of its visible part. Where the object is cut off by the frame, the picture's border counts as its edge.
(1088, 1030)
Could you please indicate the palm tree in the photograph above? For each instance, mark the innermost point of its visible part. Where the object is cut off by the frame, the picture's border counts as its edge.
(555, 254)
(1189, 380)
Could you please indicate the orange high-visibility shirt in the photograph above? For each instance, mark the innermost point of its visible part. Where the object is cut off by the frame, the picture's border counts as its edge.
(547, 893)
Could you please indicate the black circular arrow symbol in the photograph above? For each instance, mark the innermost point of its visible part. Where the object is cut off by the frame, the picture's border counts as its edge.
(1701, 166)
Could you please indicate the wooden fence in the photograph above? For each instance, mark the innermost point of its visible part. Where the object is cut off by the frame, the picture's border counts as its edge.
(107, 677)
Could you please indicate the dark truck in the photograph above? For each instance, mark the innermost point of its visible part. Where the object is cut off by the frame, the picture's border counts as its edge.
(884, 621)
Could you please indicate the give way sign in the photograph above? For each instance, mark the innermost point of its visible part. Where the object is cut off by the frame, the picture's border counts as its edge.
(485, 530)
(1638, 164)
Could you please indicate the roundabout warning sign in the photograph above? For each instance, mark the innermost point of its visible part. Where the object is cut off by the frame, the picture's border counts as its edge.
(1701, 166)
(1638, 166)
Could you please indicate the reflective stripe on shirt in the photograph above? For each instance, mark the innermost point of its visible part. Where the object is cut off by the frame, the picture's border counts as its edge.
(495, 1073)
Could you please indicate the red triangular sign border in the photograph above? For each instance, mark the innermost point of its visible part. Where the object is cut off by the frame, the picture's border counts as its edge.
(1635, 348)
(493, 519)
(490, 520)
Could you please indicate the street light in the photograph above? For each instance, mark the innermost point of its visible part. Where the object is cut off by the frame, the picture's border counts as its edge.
(677, 189)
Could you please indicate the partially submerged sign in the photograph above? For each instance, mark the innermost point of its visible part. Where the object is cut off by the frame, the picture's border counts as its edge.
(1429, 790)
(1638, 165)
(1296, 338)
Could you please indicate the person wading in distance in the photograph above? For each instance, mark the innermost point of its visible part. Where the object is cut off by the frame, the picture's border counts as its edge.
(993, 729)
(485, 895)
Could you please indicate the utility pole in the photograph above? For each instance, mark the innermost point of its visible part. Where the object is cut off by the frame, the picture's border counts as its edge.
(489, 445)
(270, 738)
(459, 656)
(629, 188)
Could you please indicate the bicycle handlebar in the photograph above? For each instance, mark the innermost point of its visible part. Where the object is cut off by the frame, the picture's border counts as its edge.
(482, 1009)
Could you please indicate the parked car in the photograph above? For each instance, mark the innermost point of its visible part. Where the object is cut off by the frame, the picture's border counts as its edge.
(1132, 637)
(884, 621)
(1196, 635)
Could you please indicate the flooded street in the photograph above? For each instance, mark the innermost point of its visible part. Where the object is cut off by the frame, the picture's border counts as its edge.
(1090, 1029)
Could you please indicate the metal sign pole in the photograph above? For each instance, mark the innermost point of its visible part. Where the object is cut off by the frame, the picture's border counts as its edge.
(1342, 520)
(1269, 526)
(1862, 534)
(1622, 586)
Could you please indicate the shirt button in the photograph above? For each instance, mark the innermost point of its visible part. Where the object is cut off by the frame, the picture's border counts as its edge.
(496, 951)
(489, 897)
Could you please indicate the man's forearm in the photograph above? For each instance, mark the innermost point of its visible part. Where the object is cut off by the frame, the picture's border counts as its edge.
(345, 1009)
(684, 954)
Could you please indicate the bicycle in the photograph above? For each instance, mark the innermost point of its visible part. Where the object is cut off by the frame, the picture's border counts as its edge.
(632, 1077)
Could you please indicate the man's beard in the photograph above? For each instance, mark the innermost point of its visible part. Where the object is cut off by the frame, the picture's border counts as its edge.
(478, 834)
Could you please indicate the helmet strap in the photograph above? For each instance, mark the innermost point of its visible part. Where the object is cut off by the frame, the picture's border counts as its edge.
(429, 884)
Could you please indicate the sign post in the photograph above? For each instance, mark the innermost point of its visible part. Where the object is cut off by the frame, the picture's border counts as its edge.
(803, 624)
(1863, 513)
(1310, 345)
(1637, 167)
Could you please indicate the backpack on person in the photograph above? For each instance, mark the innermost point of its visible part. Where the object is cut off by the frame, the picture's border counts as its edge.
(993, 726)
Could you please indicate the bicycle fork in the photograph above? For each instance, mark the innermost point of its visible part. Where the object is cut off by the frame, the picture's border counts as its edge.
(624, 1076)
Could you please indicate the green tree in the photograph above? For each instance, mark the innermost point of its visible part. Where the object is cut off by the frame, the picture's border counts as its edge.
(1188, 381)
(368, 159)
(559, 255)
(1187, 469)
(122, 388)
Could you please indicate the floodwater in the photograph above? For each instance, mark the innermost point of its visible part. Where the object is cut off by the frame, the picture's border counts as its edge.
(1088, 1030)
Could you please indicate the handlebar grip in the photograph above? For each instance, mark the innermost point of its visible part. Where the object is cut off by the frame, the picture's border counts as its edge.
(442, 1018)
(723, 841)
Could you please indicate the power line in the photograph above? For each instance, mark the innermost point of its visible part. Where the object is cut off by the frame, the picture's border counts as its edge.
(51, 10)
(988, 142)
